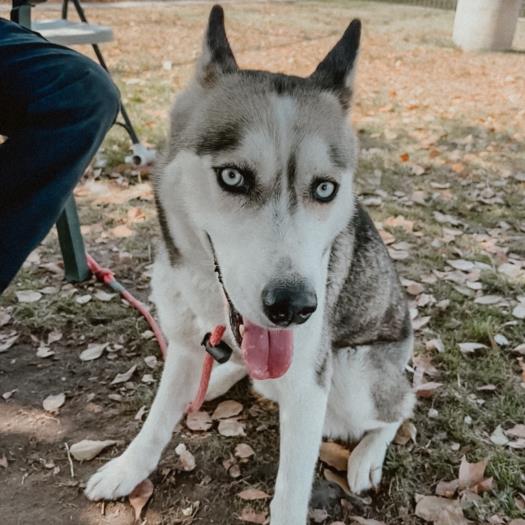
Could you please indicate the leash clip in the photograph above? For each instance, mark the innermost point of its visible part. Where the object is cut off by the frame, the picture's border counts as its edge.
(221, 352)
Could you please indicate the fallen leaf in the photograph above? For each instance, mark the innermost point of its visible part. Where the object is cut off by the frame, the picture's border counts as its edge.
(516, 431)
(436, 510)
(252, 494)
(101, 295)
(140, 496)
(93, 351)
(227, 409)
(498, 437)
(5, 318)
(427, 389)
(151, 361)
(9, 393)
(399, 222)
(250, 516)
(364, 521)
(501, 340)
(54, 336)
(6, 344)
(334, 455)
(318, 515)
(53, 402)
(44, 351)
(231, 428)
(244, 451)
(405, 433)
(83, 299)
(519, 311)
(420, 322)
(3, 461)
(404, 157)
(199, 421)
(520, 349)
(469, 348)
(87, 449)
(447, 489)
(126, 376)
(436, 344)
(186, 458)
(488, 299)
(28, 296)
(461, 264)
(337, 479)
(470, 474)
(122, 231)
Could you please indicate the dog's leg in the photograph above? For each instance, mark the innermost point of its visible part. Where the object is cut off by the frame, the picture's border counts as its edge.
(365, 464)
(224, 377)
(178, 384)
(302, 408)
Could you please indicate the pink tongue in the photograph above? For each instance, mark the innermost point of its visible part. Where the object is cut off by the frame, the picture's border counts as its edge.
(267, 353)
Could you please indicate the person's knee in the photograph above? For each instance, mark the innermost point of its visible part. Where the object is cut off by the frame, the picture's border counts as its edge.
(101, 96)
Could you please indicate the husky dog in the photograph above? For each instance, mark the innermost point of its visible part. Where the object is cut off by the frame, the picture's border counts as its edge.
(257, 184)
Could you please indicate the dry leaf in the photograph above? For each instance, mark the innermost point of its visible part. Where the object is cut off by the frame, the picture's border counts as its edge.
(140, 496)
(53, 337)
(498, 437)
(519, 311)
(83, 299)
(334, 455)
(470, 474)
(44, 351)
(121, 231)
(250, 516)
(101, 295)
(252, 494)
(227, 409)
(199, 421)
(93, 351)
(3, 461)
(186, 459)
(4, 318)
(516, 431)
(364, 521)
(151, 361)
(244, 451)
(126, 376)
(406, 432)
(231, 428)
(6, 344)
(469, 348)
(337, 479)
(404, 157)
(53, 402)
(436, 510)
(318, 515)
(8, 394)
(488, 299)
(447, 489)
(427, 389)
(461, 264)
(435, 344)
(28, 296)
(399, 222)
(87, 449)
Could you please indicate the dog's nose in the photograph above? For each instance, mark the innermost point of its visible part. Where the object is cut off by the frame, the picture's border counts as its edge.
(288, 303)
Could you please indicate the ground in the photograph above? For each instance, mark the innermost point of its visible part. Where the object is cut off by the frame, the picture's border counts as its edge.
(442, 171)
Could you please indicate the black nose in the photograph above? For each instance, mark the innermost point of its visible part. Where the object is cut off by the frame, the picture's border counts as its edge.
(288, 303)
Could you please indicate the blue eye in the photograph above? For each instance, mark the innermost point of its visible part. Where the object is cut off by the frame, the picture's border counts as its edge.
(324, 190)
(231, 177)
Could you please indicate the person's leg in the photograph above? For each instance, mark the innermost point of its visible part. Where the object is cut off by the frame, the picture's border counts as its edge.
(55, 109)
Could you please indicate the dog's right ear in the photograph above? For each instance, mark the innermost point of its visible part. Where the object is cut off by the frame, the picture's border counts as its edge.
(337, 70)
(217, 57)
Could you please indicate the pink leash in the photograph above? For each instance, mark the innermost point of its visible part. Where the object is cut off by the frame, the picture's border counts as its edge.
(108, 277)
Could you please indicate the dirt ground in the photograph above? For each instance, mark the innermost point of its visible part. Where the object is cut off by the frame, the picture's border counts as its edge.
(442, 171)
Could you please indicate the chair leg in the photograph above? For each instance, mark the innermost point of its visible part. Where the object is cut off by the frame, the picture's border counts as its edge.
(72, 244)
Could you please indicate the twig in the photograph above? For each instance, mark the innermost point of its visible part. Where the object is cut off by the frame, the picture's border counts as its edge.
(71, 467)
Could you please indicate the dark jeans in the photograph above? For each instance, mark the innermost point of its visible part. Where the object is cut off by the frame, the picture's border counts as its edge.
(55, 109)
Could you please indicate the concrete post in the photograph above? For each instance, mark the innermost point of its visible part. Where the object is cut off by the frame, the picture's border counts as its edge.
(485, 25)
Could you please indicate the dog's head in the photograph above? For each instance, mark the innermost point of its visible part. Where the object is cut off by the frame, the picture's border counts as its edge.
(261, 165)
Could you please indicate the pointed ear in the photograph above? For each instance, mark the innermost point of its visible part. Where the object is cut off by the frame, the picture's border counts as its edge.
(217, 57)
(336, 72)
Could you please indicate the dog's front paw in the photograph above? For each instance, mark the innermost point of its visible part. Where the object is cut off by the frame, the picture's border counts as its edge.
(365, 466)
(116, 478)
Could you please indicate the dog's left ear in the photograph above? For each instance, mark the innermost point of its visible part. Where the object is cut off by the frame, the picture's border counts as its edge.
(336, 72)
(217, 57)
